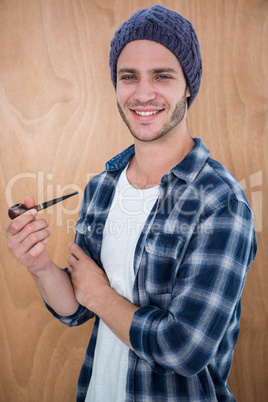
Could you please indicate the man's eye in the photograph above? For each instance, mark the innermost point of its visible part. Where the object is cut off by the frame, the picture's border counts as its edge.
(163, 77)
(127, 77)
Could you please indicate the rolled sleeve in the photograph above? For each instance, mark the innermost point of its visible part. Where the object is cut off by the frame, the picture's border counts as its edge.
(81, 315)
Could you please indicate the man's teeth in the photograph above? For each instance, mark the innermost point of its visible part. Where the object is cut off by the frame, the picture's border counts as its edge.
(146, 113)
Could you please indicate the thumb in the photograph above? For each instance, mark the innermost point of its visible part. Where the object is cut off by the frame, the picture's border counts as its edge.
(29, 201)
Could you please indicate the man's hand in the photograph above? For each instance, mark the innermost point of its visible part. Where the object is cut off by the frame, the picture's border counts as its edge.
(88, 279)
(26, 238)
(92, 290)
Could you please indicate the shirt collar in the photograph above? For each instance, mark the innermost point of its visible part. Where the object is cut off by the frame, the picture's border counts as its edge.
(186, 170)
(121, 160)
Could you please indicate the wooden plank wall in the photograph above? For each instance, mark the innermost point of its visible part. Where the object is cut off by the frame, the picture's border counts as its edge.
(59, 124)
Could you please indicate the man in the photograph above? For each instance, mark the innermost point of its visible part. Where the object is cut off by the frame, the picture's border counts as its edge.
(164, 240)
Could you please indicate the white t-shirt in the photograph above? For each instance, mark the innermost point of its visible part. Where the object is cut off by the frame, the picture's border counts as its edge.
(127, 216)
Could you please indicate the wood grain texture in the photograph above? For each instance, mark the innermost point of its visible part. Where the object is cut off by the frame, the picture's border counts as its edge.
(59, 125)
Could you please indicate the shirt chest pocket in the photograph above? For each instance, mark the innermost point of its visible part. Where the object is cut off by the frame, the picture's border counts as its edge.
(90, 230)
(163, 252)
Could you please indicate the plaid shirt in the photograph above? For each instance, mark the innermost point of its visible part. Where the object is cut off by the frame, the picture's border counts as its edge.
(190, 264)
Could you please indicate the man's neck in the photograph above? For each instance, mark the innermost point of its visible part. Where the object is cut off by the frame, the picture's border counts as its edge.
(154, 159)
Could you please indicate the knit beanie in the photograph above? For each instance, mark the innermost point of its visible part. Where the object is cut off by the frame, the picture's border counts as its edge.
(171, 30)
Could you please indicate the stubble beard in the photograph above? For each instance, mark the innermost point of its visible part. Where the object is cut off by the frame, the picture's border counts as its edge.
(175, 119)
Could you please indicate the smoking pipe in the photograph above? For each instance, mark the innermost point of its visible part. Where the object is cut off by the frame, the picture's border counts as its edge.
(19, 209)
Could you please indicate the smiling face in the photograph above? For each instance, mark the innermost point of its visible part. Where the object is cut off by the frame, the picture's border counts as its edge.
(151, 90)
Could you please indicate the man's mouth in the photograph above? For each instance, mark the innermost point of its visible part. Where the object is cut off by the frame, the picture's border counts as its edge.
(146, 113)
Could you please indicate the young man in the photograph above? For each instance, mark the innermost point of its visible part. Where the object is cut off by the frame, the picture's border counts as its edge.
(164, 240)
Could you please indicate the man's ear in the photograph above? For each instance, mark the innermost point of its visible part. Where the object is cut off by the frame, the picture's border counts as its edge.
(188, 93)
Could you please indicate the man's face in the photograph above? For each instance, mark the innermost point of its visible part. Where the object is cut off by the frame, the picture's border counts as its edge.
(151, 90)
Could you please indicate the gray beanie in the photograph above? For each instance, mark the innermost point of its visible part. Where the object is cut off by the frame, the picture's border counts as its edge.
(171, 30)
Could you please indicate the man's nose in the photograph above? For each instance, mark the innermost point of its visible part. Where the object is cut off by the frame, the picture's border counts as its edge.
(145, 91)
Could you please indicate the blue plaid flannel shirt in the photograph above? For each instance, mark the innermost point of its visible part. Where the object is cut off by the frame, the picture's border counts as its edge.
(190, 264)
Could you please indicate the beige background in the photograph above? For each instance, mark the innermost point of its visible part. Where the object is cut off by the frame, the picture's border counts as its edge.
(59, 124)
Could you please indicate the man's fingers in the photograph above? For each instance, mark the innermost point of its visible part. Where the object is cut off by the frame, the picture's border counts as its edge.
(71, 260)
(28, 244)
(17, 224)
(77, 251)
(34, 238)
